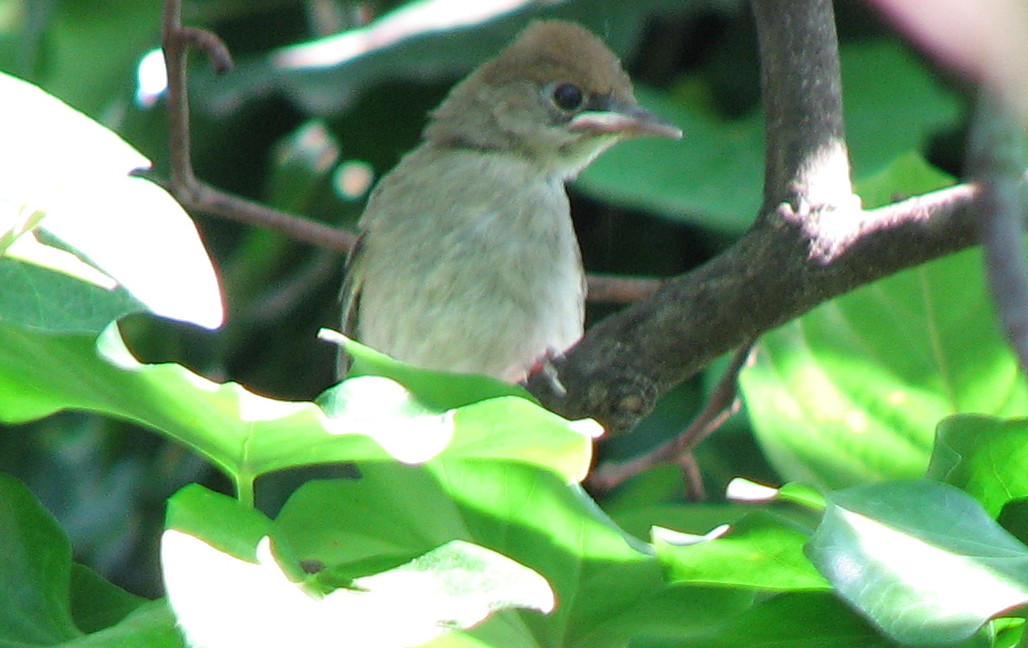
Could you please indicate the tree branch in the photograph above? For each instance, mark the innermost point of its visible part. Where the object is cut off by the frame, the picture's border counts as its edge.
(997, 159)
(723, 402)
(620, 290)
(811, 243)
(778, 271)
(801, 87)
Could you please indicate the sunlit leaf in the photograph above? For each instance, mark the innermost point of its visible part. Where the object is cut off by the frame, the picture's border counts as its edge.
(247, 435)
(760, 551)
(222, 598)
(921, 559)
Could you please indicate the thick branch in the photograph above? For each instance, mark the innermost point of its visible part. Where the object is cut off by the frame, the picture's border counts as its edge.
(811, 243)
(806, 159)
(778, 271)
(997, 160)
(620, 290)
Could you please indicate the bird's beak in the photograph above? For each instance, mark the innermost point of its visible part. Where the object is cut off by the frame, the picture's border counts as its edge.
(622, 118)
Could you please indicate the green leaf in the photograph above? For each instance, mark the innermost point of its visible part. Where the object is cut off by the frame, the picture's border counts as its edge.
(608, 585)
(908, 170)
(893, 103)
(151, 624)
(438, 390)
(221, 521)
(35, 561)
(247, 435)
(46, 600)
(983, 456)
(920, 559)
(1014, 518)
(96, 603)
(760, 551)
(69, 204)
(853, 390)
(715, 154)
(490, 417)
(53, 301)
(639, 518)
(796, 620)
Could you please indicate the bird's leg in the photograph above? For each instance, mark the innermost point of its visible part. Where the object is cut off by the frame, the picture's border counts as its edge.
(543, 366)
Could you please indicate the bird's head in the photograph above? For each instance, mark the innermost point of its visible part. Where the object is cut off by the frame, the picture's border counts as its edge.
(557, 95)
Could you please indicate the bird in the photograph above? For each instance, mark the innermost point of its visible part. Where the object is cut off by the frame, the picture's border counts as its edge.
(466, 259)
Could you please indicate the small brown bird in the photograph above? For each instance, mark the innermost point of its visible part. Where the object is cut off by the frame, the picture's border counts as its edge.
(467, 260)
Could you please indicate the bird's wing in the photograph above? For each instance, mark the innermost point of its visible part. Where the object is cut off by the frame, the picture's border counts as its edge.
(350, 298)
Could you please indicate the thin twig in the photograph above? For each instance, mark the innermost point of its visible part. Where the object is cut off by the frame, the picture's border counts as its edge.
(722, 403)
(191, 192)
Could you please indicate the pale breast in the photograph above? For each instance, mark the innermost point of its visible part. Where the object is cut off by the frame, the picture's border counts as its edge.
(469, 280)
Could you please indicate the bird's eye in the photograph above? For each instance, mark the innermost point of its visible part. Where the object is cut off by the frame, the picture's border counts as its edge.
(567, 96)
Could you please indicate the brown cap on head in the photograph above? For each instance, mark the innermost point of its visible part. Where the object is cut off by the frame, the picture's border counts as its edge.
(556, 92)
(554, 50)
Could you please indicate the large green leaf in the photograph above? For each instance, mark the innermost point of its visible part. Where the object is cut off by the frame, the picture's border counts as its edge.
(893, 103)
(853, 390)
(439, 390)
(151, 624)
(920, 559)
(608, 585)
(35, 564)
(712, 177)
(53, 301)
(96, 603)
(798, 620)
(247, 435)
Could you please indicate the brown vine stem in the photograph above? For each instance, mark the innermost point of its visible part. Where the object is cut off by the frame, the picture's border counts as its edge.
(184, 185)
(722, 403)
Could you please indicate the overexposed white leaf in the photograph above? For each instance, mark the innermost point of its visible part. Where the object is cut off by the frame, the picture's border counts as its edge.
(221, 601)
(61, 165)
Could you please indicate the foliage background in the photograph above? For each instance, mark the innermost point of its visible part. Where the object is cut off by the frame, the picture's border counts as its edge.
(818, 398)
